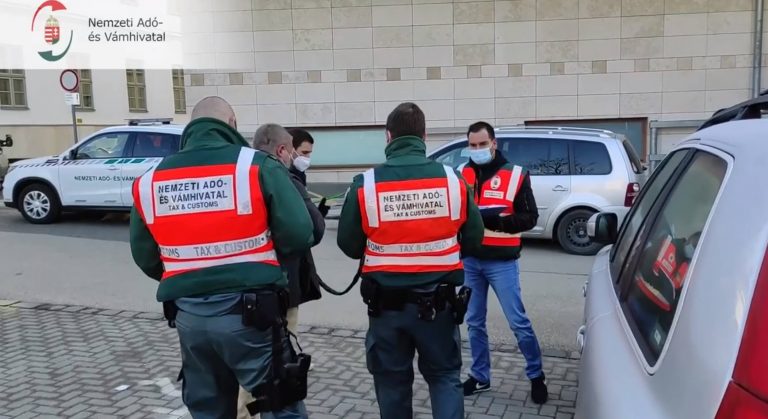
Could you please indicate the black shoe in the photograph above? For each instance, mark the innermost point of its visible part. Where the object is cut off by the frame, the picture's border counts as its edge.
(472, 386)
(539, 393)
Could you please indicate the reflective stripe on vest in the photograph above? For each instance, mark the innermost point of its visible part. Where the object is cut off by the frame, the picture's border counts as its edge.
(219, 249)
(206, 216)
(174, 267)
(488, 197)
(399, 213)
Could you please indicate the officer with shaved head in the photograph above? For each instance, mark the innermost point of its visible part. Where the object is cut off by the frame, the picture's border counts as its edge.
(209, 224)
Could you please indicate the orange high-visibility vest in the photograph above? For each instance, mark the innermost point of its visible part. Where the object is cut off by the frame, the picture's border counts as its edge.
(498, 192)
(206, 216)
(412, 225)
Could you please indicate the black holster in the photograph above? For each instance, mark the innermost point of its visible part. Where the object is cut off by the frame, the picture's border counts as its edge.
(288, 379)
(457, 302)
(169, 312)
(429, 304)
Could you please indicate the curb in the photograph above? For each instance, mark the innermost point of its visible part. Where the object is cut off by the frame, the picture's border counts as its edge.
(312, 330)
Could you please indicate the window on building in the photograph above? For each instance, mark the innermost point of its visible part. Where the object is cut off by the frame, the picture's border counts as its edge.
(13, 92)
(137, 91)
(179, 97)
(658, 280)
(86, 90)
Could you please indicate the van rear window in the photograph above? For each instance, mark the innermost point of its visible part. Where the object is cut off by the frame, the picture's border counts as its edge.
(637, 166)
(591, 158)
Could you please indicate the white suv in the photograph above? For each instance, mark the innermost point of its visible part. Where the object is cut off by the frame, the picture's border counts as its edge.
(575, 173)
(96, 174)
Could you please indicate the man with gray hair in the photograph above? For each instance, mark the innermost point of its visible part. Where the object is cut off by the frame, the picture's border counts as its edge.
(275, 140)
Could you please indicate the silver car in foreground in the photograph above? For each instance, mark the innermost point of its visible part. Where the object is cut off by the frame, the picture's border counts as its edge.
(575, 173)
(676, 314)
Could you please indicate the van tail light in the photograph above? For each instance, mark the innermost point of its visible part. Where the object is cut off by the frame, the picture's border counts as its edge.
(632, 190)
(747, 394)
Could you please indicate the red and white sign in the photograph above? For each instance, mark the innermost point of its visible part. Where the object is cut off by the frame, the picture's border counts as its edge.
(69, 80)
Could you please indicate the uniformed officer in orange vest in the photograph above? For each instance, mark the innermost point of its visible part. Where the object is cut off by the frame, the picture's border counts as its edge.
(503, 193)
(409, 220)
(209, 223)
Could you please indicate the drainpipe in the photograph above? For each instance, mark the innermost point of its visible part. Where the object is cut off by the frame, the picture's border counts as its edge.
(757, 54)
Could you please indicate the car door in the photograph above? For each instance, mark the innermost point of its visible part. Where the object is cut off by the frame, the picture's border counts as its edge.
(91, 177)
(548, 162)
(650, 272)
(146, 150)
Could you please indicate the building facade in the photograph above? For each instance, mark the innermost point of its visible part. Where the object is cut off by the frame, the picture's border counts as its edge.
(347, 63)
(338, 67)
(33, 110)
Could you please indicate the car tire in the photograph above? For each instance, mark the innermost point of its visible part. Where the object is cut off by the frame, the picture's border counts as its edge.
(39, 204)
(572, 233)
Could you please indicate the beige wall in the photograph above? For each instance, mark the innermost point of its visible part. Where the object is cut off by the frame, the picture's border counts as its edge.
(348, 62)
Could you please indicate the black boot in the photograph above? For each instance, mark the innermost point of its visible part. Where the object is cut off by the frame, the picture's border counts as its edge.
(539, 393)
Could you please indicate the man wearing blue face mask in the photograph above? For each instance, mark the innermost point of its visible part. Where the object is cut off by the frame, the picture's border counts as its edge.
(503, 193)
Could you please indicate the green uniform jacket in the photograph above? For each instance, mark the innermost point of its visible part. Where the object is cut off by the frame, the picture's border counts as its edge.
(206, 142)
(406, 160)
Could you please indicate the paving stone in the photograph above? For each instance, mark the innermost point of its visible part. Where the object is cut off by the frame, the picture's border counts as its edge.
(86, 354)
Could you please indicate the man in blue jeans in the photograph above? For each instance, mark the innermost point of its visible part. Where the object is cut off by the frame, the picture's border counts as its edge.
(505, 198)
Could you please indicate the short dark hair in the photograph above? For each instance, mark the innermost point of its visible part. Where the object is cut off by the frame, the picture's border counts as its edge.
(406, 119)
(300, 136)
(479, 126)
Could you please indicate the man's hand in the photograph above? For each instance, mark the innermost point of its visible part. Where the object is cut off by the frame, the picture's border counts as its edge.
(323, 208)
(493, 222)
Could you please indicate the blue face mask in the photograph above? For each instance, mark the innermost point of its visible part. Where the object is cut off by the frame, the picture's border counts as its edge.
(481, 155)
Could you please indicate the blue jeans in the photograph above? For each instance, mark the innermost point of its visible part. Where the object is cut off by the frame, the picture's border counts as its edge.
(504, 277)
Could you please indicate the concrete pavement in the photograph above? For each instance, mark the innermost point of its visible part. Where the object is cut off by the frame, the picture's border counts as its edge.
(63, 361)
(83, 261)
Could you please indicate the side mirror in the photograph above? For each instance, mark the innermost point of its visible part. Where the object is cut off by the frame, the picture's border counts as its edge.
(72, 154)
(603, 228)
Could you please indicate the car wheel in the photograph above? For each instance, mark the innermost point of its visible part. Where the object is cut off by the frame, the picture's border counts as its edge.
(572, 233)
(39, 204)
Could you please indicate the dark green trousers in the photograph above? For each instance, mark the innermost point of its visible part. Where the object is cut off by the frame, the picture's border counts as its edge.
(218, 353)
(393, 339)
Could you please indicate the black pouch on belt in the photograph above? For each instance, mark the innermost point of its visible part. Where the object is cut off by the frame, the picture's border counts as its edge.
(262, 310)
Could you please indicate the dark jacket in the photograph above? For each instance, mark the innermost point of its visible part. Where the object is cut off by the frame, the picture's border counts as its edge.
(526, 212)
(302, 275)
(406, 160)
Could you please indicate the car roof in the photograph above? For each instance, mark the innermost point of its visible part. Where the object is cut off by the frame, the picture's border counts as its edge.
(743, 139)
(159, 128)
(533, 131)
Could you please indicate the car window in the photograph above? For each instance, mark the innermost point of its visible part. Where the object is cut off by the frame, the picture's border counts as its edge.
(150, 144)
(657, 281)
(541, 156)
(455, 157)
(640, 210)
(637, 166)
(590, 158)
(104, 146)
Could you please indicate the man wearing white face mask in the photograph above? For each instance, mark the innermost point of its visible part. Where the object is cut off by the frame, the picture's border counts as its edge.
(503, 193)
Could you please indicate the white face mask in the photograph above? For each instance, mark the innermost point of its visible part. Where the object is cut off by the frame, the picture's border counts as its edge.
(301, 163)
(481, 156)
